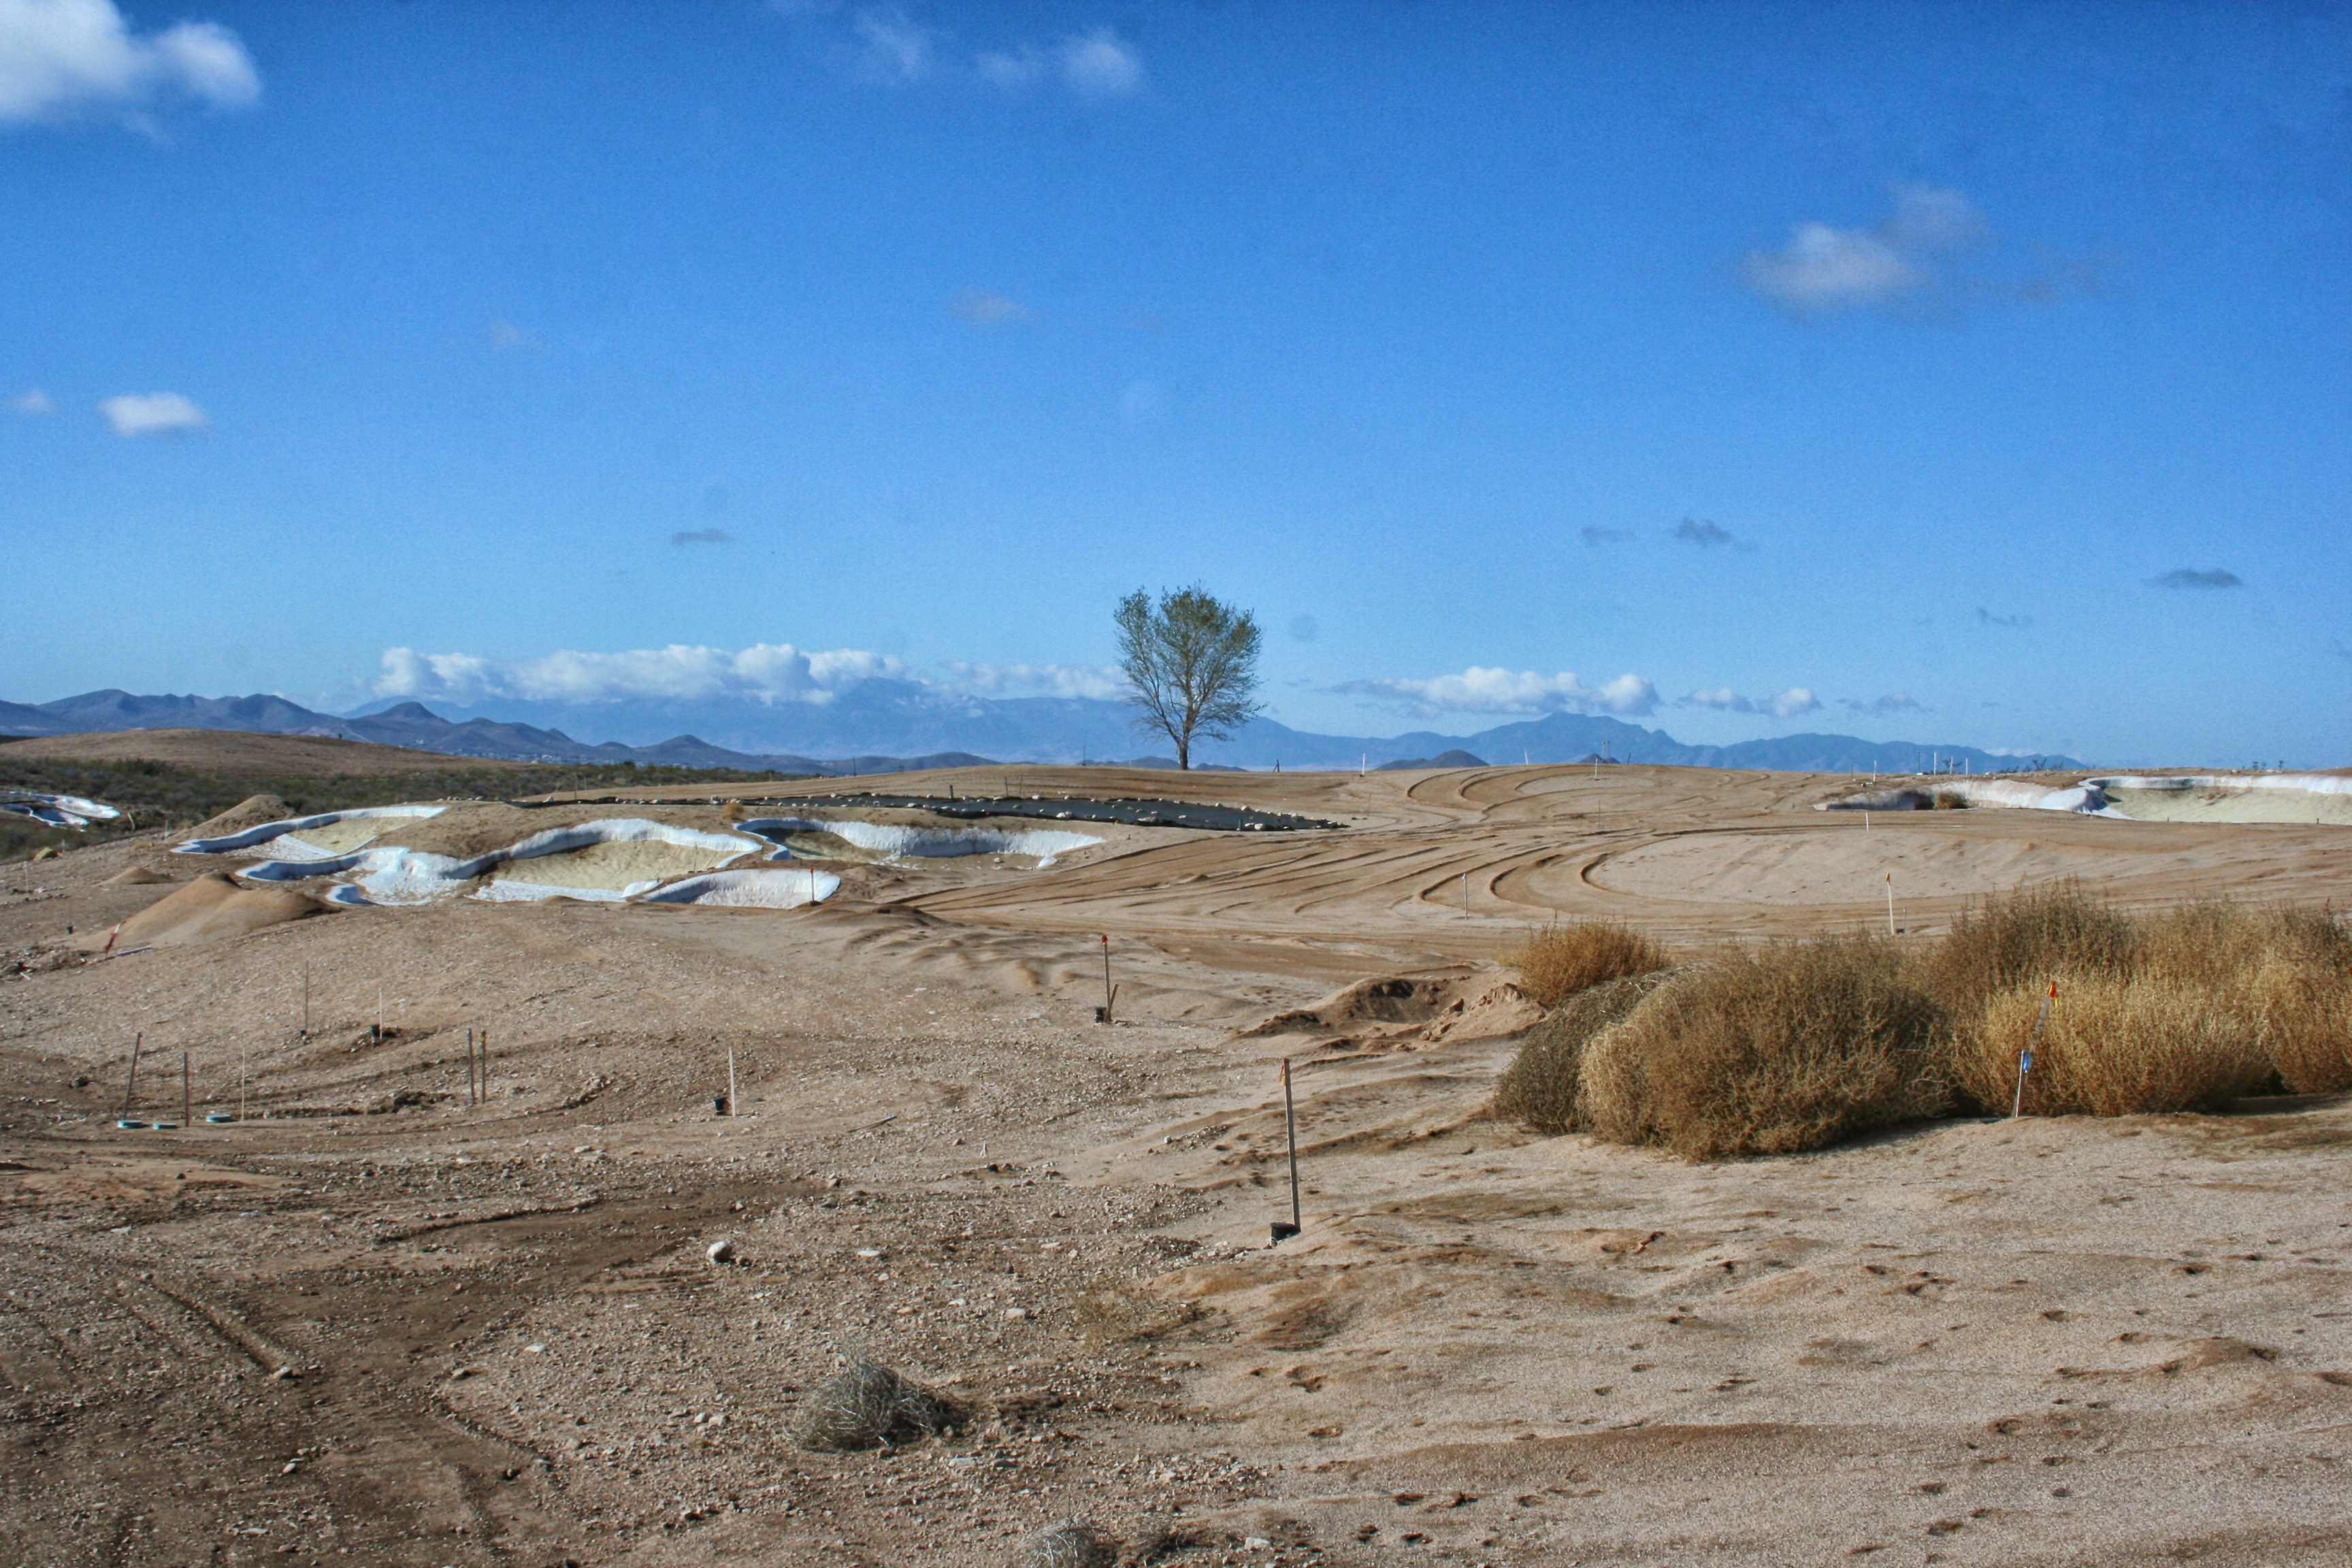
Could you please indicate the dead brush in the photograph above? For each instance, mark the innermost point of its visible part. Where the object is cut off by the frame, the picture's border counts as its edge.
(1540, 1088)
(1770, 1052)
(2024, 936)
(1072, 1543)
(2116, 1046)
(870, 1406)
(1558, 961)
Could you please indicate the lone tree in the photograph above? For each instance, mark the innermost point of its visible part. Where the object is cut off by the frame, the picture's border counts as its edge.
(1190, 664)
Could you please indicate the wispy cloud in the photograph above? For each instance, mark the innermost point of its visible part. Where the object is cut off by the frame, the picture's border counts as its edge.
(982, 308)
(702, 536)
(32, 400)
(1706, 536)
(506, 335)
(1044, 679)
(764, 672)
(1096, 65)
(1893, 702)
(1479, 689)
(893, 48)
(2192, 577)
(1594, 538)
(1987, 618)
(1823, 269)
(61, 57)
(153, 413)
(1788, 704)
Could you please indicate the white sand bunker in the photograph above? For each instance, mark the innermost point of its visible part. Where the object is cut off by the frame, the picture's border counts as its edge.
(765, 890)
(324, 836)
(397, 876)
(895, 839)
(57, 810)
(2194, 798)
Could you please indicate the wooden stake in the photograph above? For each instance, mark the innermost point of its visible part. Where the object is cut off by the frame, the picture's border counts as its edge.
(1290, 1137)
(132, 1083)
(185, 1105)
(1109, 995)
(472, 1096)
(730, 1080)
(240, 1080)
(306, 1001)
(1890, 903)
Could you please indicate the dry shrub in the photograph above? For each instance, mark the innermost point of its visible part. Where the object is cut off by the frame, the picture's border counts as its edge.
(2115, 1046)
(1558, 961)
(2024, 936)
(869, 1406)
(2185, 1009)
(1540, 1088)
(1073, 1543)
(1770, 1052)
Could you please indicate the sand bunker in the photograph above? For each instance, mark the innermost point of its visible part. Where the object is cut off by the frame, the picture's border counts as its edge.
(206, 910)
(891, 839)
(57, 810)
(321, 838)
(2306, 798)
(399, 876)
(779, 889)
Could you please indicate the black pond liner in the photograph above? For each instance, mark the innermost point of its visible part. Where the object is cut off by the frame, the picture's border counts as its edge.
(1128, 813)
(1045, 809)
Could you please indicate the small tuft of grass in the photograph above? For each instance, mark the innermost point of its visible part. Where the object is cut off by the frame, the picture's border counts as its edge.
(870, 1406)
(1560, 961)
(1072, 1543)
(1770, 1052)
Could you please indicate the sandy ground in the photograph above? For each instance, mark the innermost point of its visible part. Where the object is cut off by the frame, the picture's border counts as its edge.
(2050, 1341)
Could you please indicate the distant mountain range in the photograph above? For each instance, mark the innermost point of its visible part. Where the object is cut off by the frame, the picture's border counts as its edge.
(885, 726)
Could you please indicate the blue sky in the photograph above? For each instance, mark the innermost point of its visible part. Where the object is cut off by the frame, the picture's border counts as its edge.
(1978, 372)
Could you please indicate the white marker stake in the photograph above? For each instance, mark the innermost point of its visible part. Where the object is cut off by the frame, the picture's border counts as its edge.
(1466, 892)
(1890, 903)
(2025, 1057)
(730, 1080)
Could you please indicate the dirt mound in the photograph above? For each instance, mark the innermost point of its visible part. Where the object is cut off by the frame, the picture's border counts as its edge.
(1477, 1007)
(135, 876)
(207, 909)
(251, 812)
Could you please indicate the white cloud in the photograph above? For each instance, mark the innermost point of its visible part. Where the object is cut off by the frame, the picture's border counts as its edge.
(982, 308)
(58, 57)
(1096, 65)
(32, 400)
(1479, 689)
(152, 413)
(506, 335)
(892, 47)
(764, 672)
(1826, 268)
(1788, 704)
(1100, 65)
(1044, 679)
(702, 536)
(1893, 702)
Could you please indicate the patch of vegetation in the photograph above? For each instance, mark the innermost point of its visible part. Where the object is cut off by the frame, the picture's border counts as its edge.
(1560, 961)
(164, 794)
(1801, 1043)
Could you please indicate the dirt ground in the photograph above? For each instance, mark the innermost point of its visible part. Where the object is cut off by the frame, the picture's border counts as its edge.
(379, 1322)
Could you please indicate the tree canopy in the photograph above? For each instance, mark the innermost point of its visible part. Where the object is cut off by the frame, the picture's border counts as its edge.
(1190, 663)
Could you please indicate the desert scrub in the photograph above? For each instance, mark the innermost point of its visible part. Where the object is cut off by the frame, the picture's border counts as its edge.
(2193, 1008)
(1771, 1051)
(1560, 961)
(1539, 1088)
(2024, 937)
(870, 1406)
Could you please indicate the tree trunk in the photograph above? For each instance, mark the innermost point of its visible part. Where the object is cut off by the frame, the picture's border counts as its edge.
(1183, 753)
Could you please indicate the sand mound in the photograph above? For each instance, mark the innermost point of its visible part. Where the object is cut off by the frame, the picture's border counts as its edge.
(250, 811)
(609, 869)
(135, 876)
(1468, 1007)
(207, 909)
